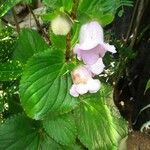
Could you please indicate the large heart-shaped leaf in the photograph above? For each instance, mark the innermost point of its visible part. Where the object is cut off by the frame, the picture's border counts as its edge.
(20, 132)
(17, 133)
(97, 128)
(62, 128)
(43, 88)
(29, 43)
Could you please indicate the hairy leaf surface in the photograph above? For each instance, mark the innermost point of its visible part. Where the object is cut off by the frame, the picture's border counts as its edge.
(43, 88)
(62, 128)
(19, 132)
(97, 128)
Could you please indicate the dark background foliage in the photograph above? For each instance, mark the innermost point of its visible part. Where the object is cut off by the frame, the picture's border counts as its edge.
(131, 85)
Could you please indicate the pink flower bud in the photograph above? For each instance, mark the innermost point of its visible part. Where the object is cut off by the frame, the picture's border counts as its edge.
(83, 82)
(91, 44)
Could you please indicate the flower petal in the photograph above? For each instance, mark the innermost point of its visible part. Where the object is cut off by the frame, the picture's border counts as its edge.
(91, 34)
(73, 91)
(108, 47)
(102, 50)
(80, 74)
(93, 85)
(77, 51)
(81, 88)
(97, 68)
(91, 56)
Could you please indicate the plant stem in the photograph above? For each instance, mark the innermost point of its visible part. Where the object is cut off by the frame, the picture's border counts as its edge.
(137, 23)
(15, 19)
(68, 46)
(132, 20)
(68, 37)
(39, 26)
(73, 14)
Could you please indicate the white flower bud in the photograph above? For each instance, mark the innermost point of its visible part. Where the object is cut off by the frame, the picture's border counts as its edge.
(61, 25)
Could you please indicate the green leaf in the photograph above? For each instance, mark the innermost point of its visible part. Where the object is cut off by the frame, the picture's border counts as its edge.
(10, 70)
(61, 128)
(97, 10)
(97, 128)
(48, 143)
(147, 85)
(75, 34)
(1, 25)
(29, 43)
(53, 4)
(57, 4)
(1, 104)
(49, 16)
(106, 18)
(19, 132)
(100, 10)
(58, 41)
(7, 5)
(43, 89)
(67, 5)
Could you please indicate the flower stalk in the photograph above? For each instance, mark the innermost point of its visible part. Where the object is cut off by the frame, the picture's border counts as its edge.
(68, 37)
(68, 46)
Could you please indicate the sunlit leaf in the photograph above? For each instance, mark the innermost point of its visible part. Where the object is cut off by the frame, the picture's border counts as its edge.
(7, 44)
(43, 88)
(61, 128)
(97, 128)
(67, 4)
